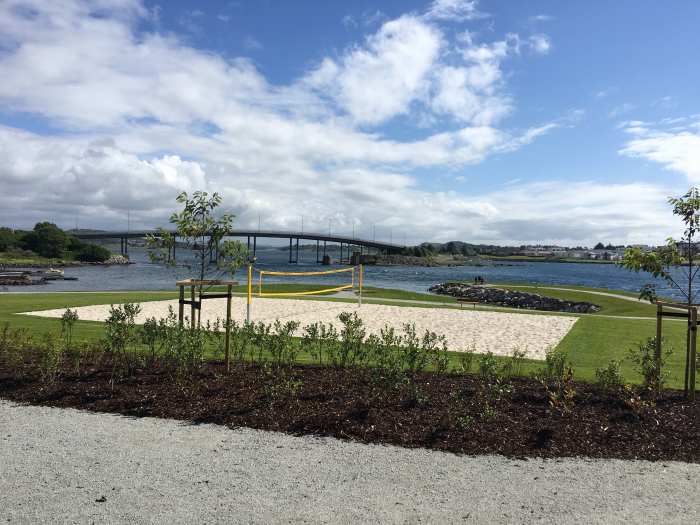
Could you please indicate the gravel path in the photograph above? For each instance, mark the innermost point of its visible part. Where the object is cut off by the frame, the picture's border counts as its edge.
(56, 464)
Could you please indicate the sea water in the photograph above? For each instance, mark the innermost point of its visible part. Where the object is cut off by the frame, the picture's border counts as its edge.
(142, 275)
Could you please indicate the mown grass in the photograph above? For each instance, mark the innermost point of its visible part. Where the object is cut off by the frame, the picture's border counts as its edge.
(590, 344)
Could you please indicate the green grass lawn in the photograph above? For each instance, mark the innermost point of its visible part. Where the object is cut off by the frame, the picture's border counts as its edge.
(590, 344)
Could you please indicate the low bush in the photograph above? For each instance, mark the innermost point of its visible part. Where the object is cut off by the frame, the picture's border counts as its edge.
(609, 378)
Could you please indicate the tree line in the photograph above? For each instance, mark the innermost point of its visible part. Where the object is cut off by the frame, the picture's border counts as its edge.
(49, 241)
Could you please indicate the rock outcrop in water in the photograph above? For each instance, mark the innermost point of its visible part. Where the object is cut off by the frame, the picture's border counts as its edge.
(513, 299)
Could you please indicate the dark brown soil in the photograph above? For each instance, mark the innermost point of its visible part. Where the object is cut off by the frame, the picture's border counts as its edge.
(331, 403)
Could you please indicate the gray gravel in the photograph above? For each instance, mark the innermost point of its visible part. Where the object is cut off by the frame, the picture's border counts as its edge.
(55, 464)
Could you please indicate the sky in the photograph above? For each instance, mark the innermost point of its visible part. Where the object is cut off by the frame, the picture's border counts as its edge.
(505, 123)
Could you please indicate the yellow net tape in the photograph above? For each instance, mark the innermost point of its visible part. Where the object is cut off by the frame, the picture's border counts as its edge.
(261, 272)
(352, 269)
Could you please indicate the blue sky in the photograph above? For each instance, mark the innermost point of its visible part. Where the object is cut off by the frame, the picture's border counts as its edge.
(487, 122)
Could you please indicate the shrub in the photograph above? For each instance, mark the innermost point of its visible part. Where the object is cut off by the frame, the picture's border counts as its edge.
(488, 366)
(466, 358)
(15, 348)
(46, 356)
(608, 377)
(184, 353)
(123, 339)
(93, 253)
(318, 339)
(518, 360)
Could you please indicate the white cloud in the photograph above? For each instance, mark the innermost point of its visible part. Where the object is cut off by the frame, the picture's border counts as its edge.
(678, 151)
(541, 18)
(605, 92)
(379, 81)
(250, 43)
(619, 110)
(672, 120)
(457, 10)
(348, 21)
(224, 18)
(144, 116)
(539, 43)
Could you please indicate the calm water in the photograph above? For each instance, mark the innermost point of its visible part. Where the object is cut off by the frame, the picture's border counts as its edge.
(144, 276)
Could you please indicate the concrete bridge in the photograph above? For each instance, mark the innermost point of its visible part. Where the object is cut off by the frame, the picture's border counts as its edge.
(254, 234)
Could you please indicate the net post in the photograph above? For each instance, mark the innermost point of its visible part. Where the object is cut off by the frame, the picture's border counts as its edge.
(359, 301)
(228, 328)
(182, 305)
(659, 317)
(249, 289)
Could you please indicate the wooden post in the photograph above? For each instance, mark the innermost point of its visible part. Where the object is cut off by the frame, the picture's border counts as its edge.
(182, 306)
(693, 340)
(228, 328)
(192, 307)
(659, 318)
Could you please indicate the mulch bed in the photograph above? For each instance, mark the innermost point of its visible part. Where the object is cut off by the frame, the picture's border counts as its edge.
(329, 404)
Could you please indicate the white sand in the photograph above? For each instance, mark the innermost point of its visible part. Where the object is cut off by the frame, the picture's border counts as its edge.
(498, 332)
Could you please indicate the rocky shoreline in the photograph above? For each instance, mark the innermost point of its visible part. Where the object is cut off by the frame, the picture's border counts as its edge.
(513, 299)
(113, 260)
(22, 282)
(407, 260)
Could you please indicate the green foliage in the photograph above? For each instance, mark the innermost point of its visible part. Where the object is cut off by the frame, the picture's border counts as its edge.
(281, 345)
(555, 369)
(318, 339)
(488, 364)
(196, 226)
(9, 238)
(122, 343)
(351, 348)
(466, 358)
(15, 348)
(281, 386)
(561, 393)
(643, 355)
(93, 253)
(184, 353)
(517, 361)
(457, 411)
(47, 239)
(68, 320)
(608, 377)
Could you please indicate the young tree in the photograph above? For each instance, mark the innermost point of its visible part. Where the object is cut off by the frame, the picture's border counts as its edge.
(207, 236)
(674, 262)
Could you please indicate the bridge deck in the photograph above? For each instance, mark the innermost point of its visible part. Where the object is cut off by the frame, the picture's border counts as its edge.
(311, 236)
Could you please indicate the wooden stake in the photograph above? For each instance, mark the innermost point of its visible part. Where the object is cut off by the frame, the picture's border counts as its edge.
(182, 306)
(659, 311)
(192, 307)
(693, 340)
(228, 328)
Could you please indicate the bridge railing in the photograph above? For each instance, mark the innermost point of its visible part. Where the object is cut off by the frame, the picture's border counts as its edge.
(252, 233)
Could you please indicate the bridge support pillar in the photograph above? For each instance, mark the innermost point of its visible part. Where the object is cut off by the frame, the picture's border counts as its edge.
(297, 250)
(318, 245)
(290, 250)
(341, 253)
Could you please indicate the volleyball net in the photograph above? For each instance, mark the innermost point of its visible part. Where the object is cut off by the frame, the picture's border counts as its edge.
(260, 293)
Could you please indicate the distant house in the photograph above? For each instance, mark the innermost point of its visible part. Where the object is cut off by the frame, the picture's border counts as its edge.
(535, 253)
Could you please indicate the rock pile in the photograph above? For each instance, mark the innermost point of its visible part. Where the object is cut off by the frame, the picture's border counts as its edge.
(115, 259)
(514, 299)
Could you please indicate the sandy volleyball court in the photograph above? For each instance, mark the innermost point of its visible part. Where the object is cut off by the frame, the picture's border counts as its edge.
(498, 332)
